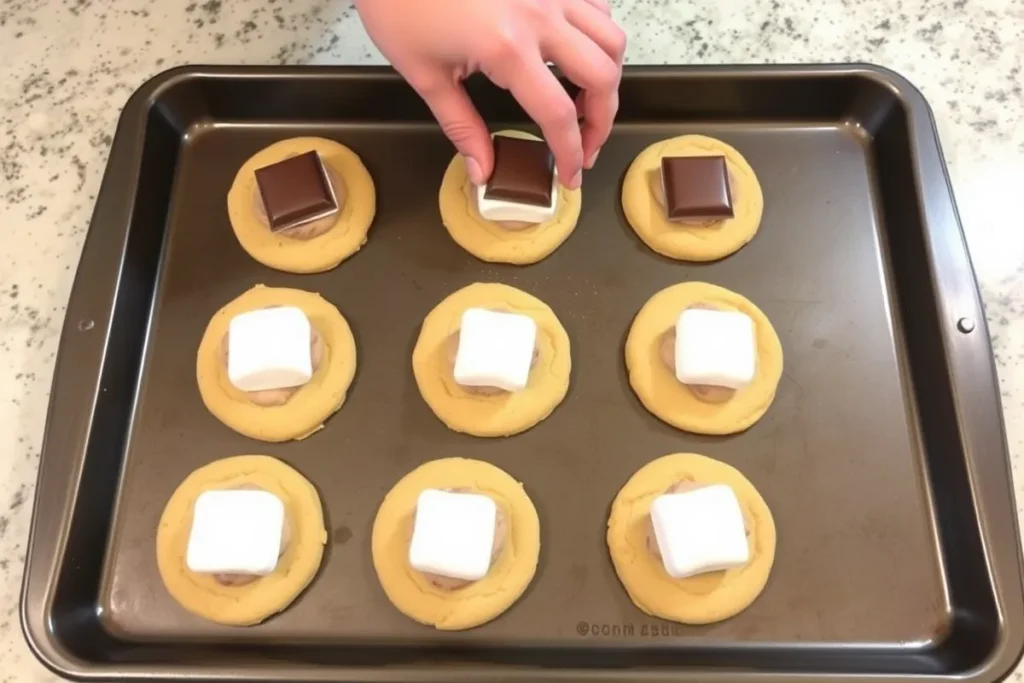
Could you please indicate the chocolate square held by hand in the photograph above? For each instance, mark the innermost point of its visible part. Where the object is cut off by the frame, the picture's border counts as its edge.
(524, 172)
(296, 191)
(696, 188)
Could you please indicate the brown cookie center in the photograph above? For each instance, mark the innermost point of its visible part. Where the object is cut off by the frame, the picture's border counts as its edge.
(278, 397)
(305, 231)
(452, 350)
(667, 350)
(286, 539)
(515, 226)
(500, 535)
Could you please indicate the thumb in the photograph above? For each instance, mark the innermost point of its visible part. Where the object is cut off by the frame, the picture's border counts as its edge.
(462, 124)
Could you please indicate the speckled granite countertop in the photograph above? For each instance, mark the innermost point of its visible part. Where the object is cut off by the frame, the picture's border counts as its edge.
(60, 96)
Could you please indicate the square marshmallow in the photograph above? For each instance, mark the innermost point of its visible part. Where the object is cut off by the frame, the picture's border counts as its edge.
(269, 349)
(495, 349)
(235, 532)
(700, 531)
(503, 210)
(715, 348)
(453, 534)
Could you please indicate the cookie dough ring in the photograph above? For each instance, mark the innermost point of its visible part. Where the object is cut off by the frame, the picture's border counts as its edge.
(701, 599)
(252, 603)
(292, 255)
(491, 242)
(706, 242)
(480, 602)
(305, 412)
(672, 401)
(501, 414)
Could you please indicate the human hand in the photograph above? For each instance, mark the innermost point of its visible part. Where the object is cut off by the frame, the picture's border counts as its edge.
(435, 44)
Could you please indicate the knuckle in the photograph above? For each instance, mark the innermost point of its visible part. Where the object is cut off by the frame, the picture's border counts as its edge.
(458, 129)
(499, 51)
(562, 115)
(428, 88)
(617, 44)
(536, 10)
(606, 80)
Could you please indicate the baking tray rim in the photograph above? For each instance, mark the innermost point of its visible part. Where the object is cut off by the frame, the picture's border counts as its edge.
(80, 366)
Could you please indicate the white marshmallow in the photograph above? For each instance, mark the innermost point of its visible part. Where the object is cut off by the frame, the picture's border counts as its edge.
(700, 531)
(715, 348)
(453, 534)
(502, 210)
(495, 349)
(235, 532)
(269, 349)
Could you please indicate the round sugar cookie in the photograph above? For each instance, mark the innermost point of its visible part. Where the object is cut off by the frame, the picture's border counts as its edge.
(678, 404)
(497, 414)
(701, 599)
(710, 240)
(311, 404)
(347, 230)
(491, 242)
(481, 601)
(249, 604)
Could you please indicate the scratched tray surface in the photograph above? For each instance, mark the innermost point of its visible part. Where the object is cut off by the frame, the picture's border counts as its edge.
(891, 560)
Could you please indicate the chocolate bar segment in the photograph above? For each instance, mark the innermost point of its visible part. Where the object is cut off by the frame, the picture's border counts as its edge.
(296, 191)
(524, 172)
(696, 188)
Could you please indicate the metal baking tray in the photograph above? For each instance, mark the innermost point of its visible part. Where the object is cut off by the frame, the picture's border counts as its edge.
(883, 457)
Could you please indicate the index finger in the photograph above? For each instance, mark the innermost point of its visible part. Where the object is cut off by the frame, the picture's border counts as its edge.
(546, 101)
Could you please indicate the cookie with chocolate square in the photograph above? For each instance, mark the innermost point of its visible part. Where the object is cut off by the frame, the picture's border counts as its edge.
(692, 198)
(302, 205)
(521, 215)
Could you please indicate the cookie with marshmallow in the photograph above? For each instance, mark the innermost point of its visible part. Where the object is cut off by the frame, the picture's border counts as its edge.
(455, 543)
(704, 359)
(691, 539)
(492, 360)
(240, 539)
(275, 363)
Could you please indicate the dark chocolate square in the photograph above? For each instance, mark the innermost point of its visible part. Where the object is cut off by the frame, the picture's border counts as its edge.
(524, 171)
(696, 188)
(295, 190)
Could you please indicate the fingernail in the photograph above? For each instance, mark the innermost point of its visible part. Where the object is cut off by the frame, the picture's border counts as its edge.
(576, 181)
(476, 174)
(592, 160)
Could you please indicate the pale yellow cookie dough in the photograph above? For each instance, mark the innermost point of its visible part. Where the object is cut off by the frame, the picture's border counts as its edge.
(499, 414)
(305, 412)
(479, 602)
(674, 402)
(700, 599)
(707, 242)
(489, 241)
(291, 254)
(250, 604)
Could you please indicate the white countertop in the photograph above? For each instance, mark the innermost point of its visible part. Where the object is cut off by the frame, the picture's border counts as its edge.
(60, 96)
